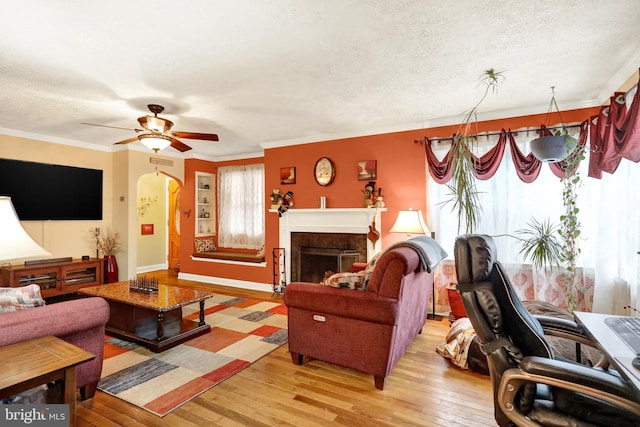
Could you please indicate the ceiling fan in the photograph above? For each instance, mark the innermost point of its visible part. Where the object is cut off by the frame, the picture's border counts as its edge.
(156, 132)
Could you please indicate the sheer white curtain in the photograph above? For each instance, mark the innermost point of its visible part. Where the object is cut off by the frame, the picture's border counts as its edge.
(609, 208)
(241, 206)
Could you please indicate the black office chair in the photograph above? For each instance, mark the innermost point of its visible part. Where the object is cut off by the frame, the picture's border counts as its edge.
(531, 386)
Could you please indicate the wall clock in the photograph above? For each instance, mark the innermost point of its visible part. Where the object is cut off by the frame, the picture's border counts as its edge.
(325, 171)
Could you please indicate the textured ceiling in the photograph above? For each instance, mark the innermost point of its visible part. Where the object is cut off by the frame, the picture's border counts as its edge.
(268, 73)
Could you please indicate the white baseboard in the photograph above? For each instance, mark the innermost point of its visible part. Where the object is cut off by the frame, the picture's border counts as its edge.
(148, 268)
(242, 284)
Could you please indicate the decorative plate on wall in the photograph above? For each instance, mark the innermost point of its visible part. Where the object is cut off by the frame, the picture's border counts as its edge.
(324, 171)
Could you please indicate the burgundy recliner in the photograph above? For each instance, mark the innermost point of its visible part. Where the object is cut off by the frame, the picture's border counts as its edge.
(368, 330)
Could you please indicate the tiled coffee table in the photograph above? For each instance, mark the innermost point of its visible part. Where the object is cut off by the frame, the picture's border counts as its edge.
(153, 320)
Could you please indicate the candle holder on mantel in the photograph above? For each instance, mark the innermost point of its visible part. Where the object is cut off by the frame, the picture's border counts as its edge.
(144, 285)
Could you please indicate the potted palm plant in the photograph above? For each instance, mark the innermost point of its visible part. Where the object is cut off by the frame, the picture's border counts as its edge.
(540, 244)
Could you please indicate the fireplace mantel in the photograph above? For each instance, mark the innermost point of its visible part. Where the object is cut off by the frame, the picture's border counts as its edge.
(328, 220)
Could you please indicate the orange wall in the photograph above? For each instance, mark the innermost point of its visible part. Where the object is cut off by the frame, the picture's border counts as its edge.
(203, 268)
(401, 171)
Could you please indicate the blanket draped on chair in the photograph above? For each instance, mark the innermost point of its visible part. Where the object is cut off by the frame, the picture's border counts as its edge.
(429, 251)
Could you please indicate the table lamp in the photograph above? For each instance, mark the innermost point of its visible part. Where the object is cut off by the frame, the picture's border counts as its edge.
(16, 243)
(411, 222)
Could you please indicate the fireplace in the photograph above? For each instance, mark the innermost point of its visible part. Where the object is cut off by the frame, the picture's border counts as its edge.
(333, 228)
(314, 263)
(313, 254)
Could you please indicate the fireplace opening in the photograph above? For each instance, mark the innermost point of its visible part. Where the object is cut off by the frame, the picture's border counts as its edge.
(327, 248)
(313, 263)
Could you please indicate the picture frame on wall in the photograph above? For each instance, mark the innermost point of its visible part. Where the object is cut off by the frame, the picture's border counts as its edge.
(147, 229)
(288, 175)
(367, 170)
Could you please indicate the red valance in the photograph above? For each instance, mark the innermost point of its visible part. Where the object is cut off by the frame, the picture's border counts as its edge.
(488, 164)
(614, 134)
(527, 167)
(440, 170)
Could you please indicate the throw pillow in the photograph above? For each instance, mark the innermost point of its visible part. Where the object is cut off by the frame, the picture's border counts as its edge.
(22, 298)
(205, 245)
(371, 265)
(458, 342)
(358, 280)
(14, 299)
(348, 280)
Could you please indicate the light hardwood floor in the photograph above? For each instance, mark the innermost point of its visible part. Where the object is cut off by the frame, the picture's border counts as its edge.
(424, 389)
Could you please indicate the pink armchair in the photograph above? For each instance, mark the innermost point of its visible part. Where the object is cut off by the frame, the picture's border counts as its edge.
(368, 330)
(79, 322)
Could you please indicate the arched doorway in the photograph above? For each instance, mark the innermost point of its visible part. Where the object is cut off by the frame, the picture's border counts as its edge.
(173, 222)
(158, 222)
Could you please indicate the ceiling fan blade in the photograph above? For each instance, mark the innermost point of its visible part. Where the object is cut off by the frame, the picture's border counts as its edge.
(106, 126)
(180, 146)
(196, 135)
(126, 141)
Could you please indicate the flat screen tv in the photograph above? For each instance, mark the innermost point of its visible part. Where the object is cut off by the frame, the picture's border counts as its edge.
(41, 191)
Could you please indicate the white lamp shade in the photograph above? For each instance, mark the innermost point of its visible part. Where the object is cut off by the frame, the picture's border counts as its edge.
(155, 142)
(410, 222)
(15, 243)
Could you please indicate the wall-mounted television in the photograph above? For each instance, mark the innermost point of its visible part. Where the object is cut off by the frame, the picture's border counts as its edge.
(41, 191)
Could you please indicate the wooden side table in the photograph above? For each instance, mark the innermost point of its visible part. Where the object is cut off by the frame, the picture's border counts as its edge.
(29, 364)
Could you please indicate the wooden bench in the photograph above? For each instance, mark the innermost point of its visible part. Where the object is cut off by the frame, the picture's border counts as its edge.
(231, 256)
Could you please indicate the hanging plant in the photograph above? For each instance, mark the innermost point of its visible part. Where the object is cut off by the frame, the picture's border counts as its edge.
(556, 147)
(570, 227)
(553, 148)
(462, 186)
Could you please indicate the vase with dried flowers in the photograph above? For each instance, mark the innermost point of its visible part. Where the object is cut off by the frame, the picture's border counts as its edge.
(109, 244)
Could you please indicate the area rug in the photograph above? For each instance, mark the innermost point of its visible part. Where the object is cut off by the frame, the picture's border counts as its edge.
(242, 331)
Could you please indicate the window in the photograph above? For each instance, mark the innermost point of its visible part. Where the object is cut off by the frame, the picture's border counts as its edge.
(610, 229)
(241, 206)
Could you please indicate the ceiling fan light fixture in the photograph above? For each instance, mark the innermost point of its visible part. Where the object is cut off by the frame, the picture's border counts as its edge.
(155, 132)
(155, 142)
(155, 124)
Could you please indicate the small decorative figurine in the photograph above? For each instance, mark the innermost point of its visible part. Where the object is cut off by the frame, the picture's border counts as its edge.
(369, 191)
(276, 198)
(379, 201)
(286, 203)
